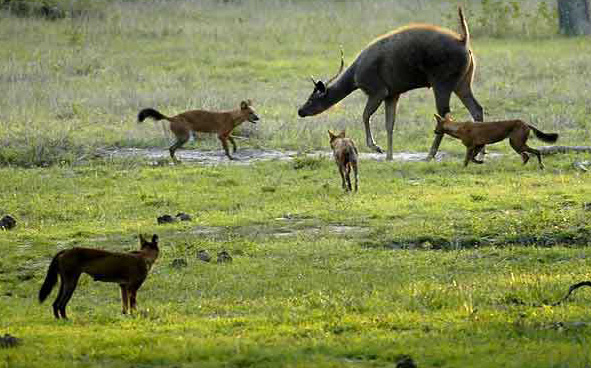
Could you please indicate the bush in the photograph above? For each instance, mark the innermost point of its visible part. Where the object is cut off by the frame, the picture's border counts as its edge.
(54, 9)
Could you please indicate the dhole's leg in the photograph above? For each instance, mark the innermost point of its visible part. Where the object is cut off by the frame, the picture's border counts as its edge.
(342, 172)
(373, 102)
(132, 291)
(442, 95)
(60, 294)
(469, 155)
(180, 140)
(124, 299)
(231, 139)
(538, 155)
(348, 176)
(390, 107)
(133, 299)
(477, 150)
(223, 138)
(517, 142)
(71, 281)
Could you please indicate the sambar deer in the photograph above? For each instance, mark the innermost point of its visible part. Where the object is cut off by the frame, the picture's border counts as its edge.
(414, 56)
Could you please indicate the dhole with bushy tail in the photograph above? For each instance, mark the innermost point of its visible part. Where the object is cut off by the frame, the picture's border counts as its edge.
(476, 136)
(345, 154)
(221, 123)
(129, 270)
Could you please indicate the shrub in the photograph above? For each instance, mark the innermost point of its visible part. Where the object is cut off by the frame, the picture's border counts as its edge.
(54, 9)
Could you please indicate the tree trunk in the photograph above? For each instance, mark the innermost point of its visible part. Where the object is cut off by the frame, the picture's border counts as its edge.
(573, 17)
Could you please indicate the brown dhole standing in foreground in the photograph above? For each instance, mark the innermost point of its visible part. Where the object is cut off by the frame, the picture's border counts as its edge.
(221, 123)
(129, 270)
(345, 155)
(475, 136)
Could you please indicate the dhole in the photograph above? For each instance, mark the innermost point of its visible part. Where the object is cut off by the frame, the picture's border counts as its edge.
(129, 270)
(345, 155)
(221, 123)
(475, 135)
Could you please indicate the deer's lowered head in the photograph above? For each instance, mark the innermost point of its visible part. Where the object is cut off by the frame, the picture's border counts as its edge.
(326, 94)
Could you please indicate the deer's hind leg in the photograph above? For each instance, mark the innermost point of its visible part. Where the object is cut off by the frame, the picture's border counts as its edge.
(442, 92)
(354, 165)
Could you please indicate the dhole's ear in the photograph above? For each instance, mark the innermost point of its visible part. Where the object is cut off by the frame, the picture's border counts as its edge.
(448, 116)
(142, 240)
(342, 134)
(331, 135)
(249, 102)
(154, 238)
(243, 105)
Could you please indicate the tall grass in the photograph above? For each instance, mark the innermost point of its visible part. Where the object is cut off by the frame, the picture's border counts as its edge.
(87, 77)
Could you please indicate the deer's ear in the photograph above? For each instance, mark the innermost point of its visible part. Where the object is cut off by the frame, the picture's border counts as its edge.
(154, 238)
(320, 87)
(342, 134)
(249, 102)
(448, 116)
(331, 134)
(243, 105)
(438, 118)
(142, 240)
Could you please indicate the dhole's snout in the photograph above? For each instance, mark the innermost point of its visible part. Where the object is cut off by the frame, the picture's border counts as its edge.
(254, 118)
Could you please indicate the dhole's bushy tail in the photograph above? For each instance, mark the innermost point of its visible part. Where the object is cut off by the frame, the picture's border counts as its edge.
(464, 26)
(50, 279)
(546, 137)
(150, 113)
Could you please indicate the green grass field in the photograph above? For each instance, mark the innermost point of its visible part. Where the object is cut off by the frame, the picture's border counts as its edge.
(453, 266)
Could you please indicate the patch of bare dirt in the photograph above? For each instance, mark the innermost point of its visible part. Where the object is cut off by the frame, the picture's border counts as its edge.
(248, 156)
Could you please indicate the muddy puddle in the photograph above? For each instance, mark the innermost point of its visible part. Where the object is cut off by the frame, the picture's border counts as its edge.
(248, 156)
(280, 231)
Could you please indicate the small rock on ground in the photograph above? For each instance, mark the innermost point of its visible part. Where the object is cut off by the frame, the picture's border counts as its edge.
(7, 222)
(224, 257)
(405, 361)
(8, 341)
(183, 216)
(179, 263)
(165, 219)
(203, 255)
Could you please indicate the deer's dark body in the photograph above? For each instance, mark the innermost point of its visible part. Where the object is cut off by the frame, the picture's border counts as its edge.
(412, 57)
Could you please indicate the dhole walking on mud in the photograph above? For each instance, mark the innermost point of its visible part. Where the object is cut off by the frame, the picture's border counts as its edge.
(476, 136)
(129, 270)
(345, 154)
(221, 123)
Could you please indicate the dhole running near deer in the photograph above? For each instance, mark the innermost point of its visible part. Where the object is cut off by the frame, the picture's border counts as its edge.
(476, 136)
(129, 270)
(221, 123)
(345, 154)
